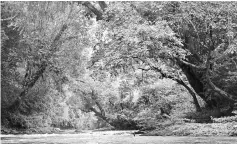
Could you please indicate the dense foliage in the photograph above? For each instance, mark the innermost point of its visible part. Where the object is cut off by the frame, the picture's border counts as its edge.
(127, 64)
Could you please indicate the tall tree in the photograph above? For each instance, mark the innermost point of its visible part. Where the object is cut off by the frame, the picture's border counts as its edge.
(48, 32)
(173, 36)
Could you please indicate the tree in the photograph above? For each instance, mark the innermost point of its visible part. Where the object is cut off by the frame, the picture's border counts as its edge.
(47, 46)
(205, 29)
(173, 36)
(48, 32)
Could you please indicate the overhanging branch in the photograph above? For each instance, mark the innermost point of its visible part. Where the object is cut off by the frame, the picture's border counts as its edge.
(189, 64)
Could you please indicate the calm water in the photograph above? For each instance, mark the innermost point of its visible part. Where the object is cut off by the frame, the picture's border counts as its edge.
(111, 138)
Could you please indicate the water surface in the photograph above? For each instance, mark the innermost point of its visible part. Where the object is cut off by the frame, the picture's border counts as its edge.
(111, 137)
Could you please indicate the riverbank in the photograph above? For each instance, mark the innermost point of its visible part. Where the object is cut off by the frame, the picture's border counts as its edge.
(182, 129)
(45, 130)
(196, 129)
(226, 126)
(50, 130)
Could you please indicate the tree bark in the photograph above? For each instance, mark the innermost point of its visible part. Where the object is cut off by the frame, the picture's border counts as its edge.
(197, 78)
(198, 108)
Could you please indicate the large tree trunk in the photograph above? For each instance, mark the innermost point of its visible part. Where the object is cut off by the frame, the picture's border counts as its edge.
(197, 71)
(198, 108)
(217, 99)
(194, 80)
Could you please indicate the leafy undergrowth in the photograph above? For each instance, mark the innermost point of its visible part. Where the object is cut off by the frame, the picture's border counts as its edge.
(196, 129)
(42, 130)
(225, 119)
(184, 122)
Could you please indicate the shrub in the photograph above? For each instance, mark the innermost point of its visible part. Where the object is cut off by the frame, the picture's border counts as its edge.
(225, 119)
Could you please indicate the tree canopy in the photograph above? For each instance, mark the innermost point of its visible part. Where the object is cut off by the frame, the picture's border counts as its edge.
(109, 58)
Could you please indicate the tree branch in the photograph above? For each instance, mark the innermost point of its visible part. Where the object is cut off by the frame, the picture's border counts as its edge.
(191, 65)
(54, 45)
(103, 5)
(212, 85)
(99, 15)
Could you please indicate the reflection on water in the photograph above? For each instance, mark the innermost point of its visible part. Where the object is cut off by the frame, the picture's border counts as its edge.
(110, 137)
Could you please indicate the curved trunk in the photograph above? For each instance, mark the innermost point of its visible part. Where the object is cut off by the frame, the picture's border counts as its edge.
(197, 70)
(198, 108)
(217, 99)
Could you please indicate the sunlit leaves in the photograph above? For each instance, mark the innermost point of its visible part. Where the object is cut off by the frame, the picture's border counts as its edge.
(130, 35)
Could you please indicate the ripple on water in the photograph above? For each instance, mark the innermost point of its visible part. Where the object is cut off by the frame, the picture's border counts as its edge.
(110, 138)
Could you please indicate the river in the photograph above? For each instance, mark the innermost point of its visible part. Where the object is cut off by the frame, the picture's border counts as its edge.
(111, 137)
